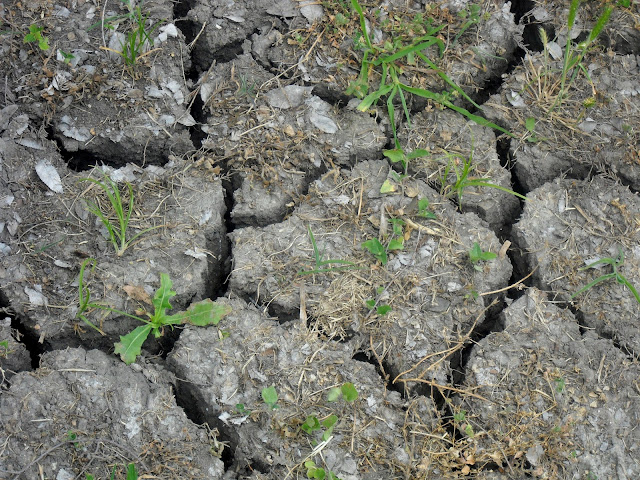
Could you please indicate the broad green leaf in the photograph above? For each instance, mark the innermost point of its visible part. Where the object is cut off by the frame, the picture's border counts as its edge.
(203, 313)
(270, 396)
(129, 346)
(396, 244)
(383, 309)
(530, 124)
(329, 423)
(335, 393)
(161, 298)
(396, 155)
(349, 392)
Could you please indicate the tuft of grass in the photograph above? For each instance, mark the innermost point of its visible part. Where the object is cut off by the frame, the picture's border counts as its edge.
(117, 231)
(573, 55)
(615, 274)
(391, 58)
(322, 266)
(133, 48)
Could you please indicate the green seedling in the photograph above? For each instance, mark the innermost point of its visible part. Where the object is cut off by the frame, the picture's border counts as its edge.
(392, 58)
(117, 231)
(398, 155)
(560, 384)
(315, 472)
(423, 209)
(35, 35)
(530, 125)
(459, 420)
(615, 274)
(572, 61)
(322, 266)
(347, 391)
(312, 424)
(4, 349)
(67, 57)
(463, 178)
(242, 410)
(477, 255)
(471, 17)
(137, 40)
(270, 397)
(372, 303)
(201, 314)
(376, 249)
(84, 296)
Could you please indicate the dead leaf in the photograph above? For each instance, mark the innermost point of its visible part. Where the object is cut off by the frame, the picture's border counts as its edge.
(137, 293)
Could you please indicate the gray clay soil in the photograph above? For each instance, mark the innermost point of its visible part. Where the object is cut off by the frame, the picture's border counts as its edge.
(487, 335)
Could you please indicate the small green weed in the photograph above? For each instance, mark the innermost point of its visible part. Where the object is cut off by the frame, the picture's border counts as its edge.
(137, 39)
(117, 232)
(395, 242)
(4, 349)
(477, 255)
(392, 57)
(35, 35)
(270, 397)
(615, 263)
(398, 155)
(322, 265)
(381, 309)
(530, 125)
(460, 421)
(573, 55)
(560, 384)
(84, 296)
(423, 209)
(471, 15)
(463, 178)
(67, 57)
(319, 473)
(347, 391)
(201, 314)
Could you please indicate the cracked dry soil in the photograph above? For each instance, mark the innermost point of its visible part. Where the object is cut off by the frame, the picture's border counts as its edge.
(247, 159)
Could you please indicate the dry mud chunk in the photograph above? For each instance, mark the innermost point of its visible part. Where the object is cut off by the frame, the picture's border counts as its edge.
(566, 403)
(569, 224)
(430, 284)
(219, 372)
(583, 132)
(450, 141)
(117, 416)
(57, 233)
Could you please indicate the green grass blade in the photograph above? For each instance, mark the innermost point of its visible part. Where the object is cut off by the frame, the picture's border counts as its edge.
(373, 97)
(473, 183)
(407, 50)
(447, 80)
(593, 283)
(631, 287)
(483, 122)
(363, 25)
(600, 24)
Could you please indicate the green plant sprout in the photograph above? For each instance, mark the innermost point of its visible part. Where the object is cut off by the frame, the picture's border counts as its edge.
(398, 155)
(321, 265)
(35, 35)
(477, 255)
(117, 232)
(573, 57)
(67, 57)
(270, 397)
(459, 419)
(318, 473)
(4, 349)
(463, 179)
(423, 209)
(387, 57)
(373, 303)
(84, 296)
(471, 17)
(530, 125)
(201, 314)
(137, 38)
(396, 242)
(615, 263)
(347, 391)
